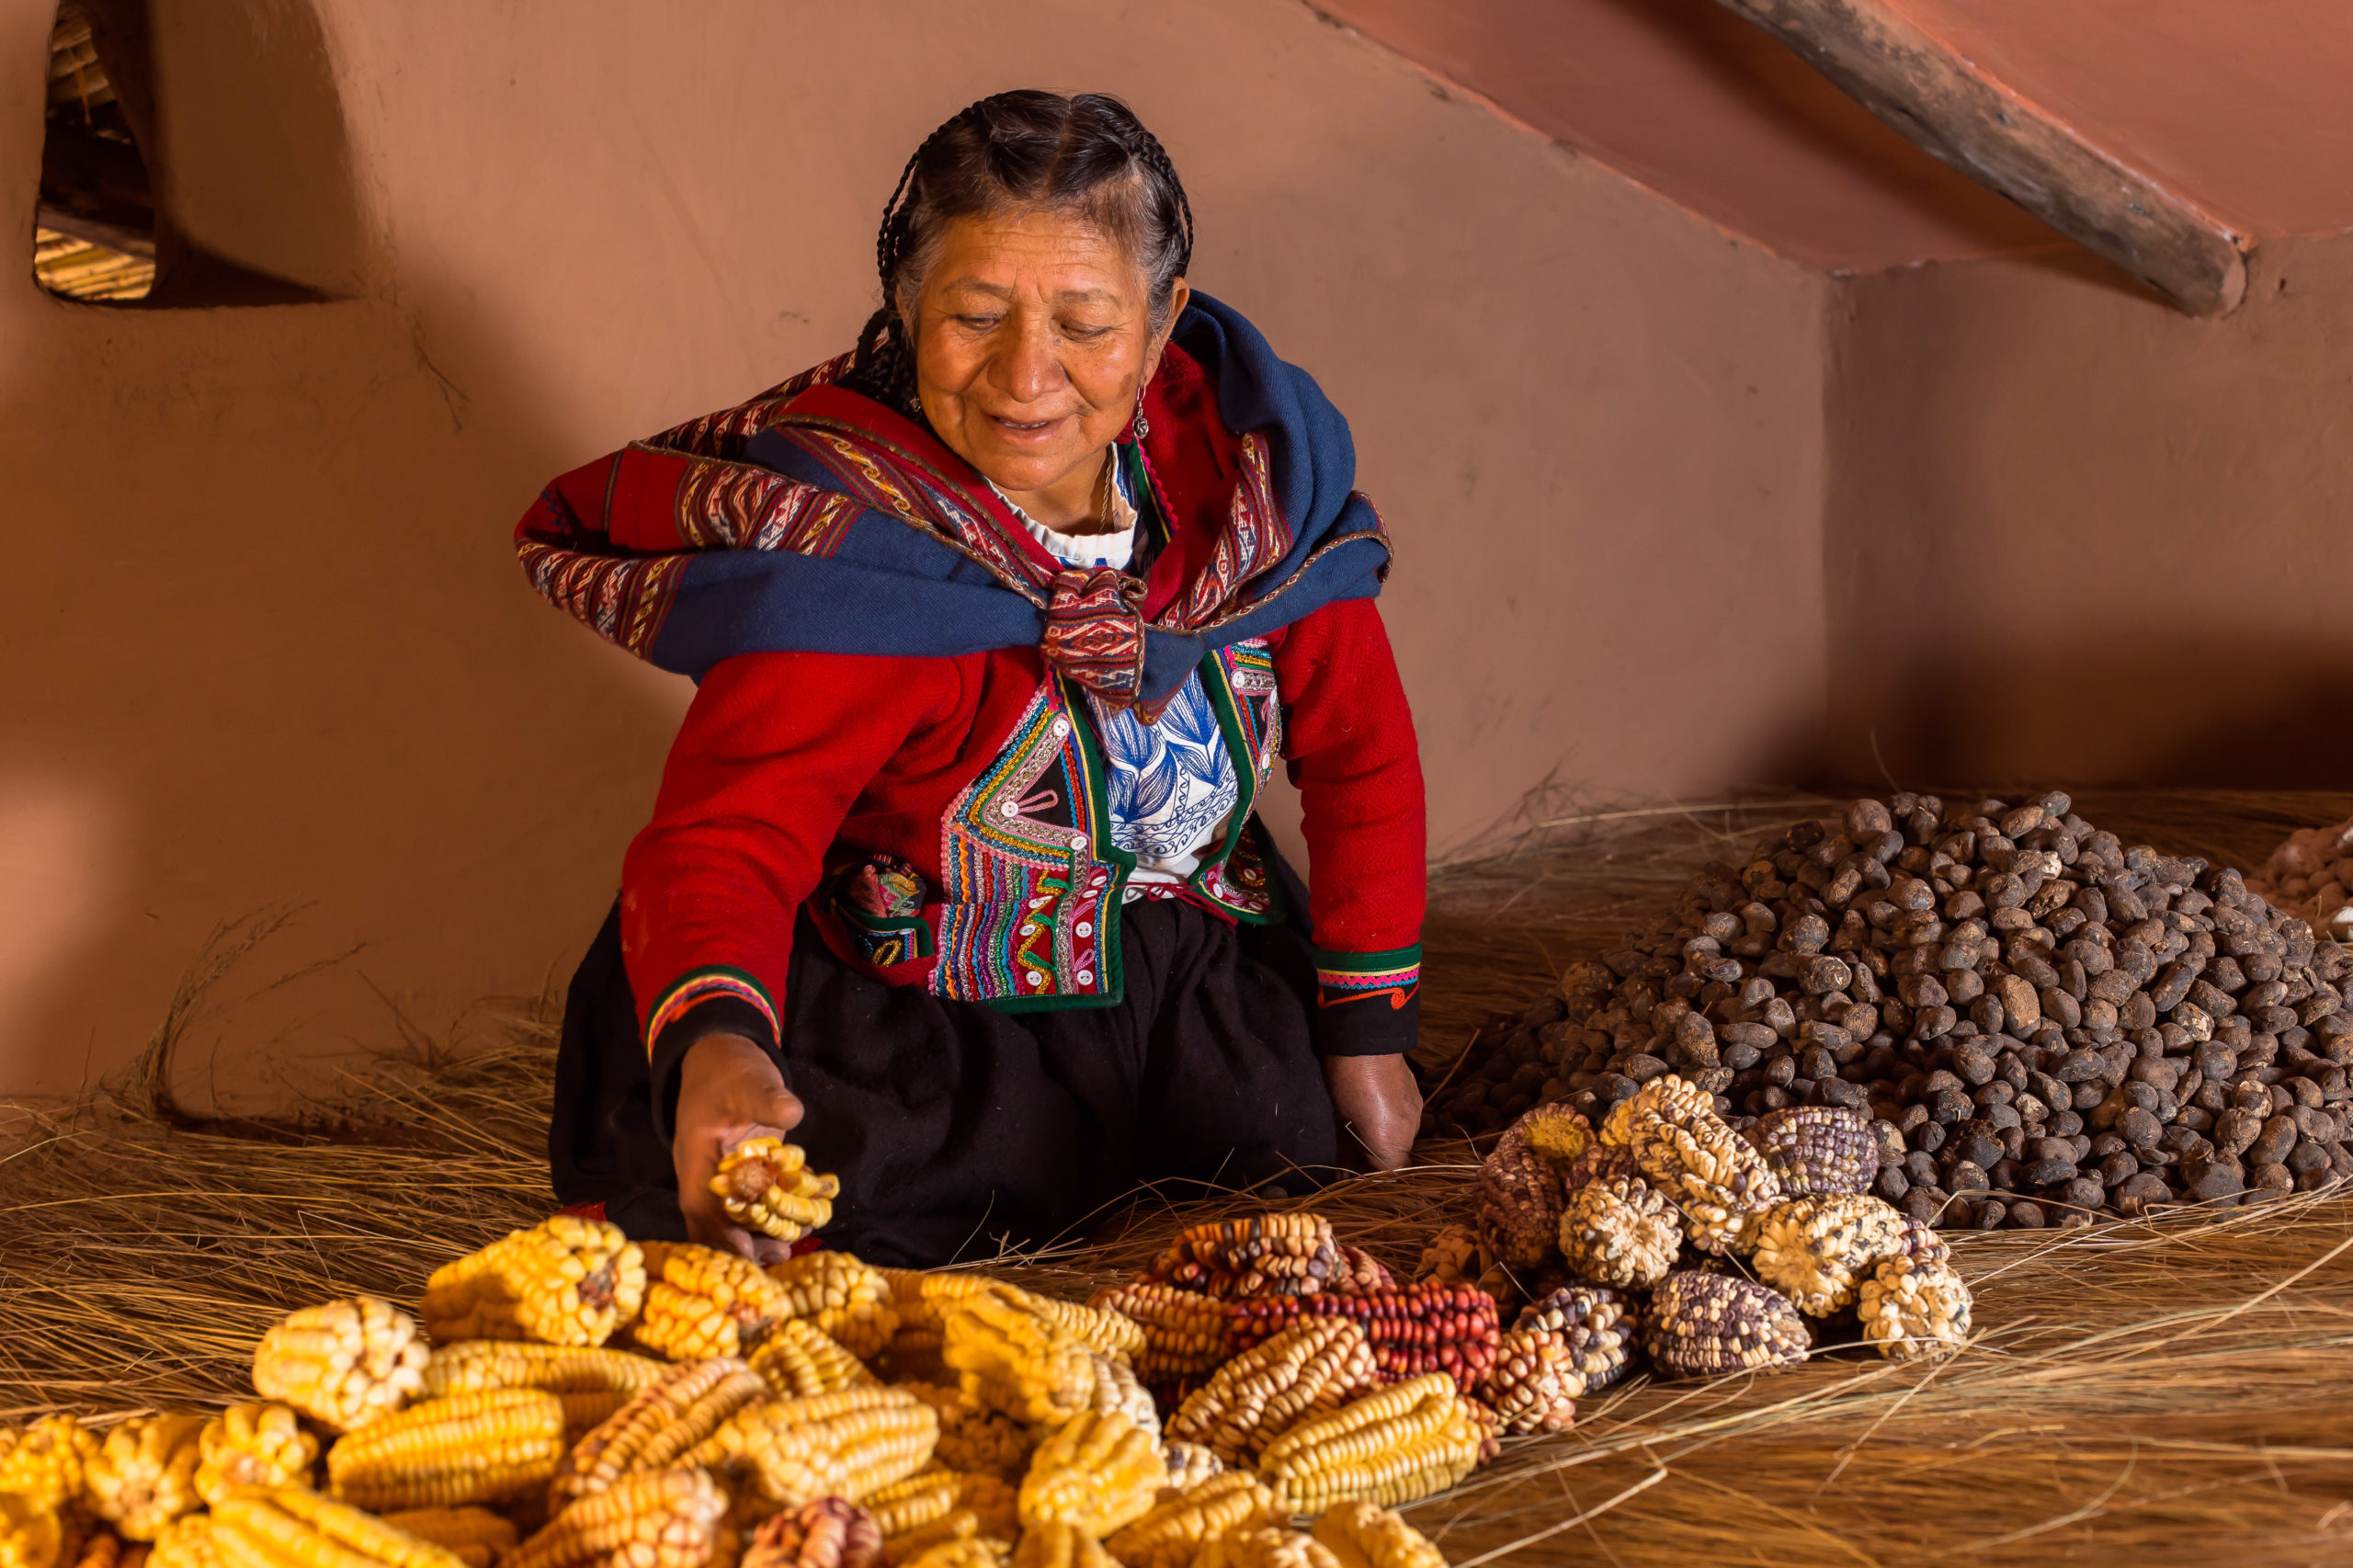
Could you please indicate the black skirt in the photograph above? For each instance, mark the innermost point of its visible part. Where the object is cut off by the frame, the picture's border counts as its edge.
(958, 1130)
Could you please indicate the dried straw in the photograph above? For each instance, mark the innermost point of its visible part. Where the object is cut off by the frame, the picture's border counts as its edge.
(2172, 1390)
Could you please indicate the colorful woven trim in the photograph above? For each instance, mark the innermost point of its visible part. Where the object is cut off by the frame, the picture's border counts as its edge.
(1342, 978)
(696, 986)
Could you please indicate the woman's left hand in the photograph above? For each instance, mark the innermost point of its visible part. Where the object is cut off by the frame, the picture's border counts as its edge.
(1379, 1106)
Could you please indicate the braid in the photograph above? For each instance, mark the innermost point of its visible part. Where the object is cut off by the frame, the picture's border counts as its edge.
(1016, 147)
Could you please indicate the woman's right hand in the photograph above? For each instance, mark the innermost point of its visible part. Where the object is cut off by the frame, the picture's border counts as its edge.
(728, 1090)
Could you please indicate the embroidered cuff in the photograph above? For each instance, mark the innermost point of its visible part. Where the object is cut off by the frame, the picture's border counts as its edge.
(717, 1000)
(1368, 1004)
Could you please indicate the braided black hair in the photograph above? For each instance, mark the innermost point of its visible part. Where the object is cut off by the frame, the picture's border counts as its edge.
(1087, 154)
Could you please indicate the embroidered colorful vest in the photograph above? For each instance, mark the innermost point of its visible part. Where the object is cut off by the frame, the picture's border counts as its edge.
(1028, 915)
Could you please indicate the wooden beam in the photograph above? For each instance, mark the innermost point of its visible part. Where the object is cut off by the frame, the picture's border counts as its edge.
(1950, 108)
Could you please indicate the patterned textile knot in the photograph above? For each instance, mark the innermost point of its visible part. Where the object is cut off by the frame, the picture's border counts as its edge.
(1095, 634)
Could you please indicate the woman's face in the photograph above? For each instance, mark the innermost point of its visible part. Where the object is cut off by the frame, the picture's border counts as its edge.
(1033, 334)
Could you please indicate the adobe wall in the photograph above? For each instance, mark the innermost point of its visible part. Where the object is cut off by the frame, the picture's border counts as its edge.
(265, 642)
(2072, 536)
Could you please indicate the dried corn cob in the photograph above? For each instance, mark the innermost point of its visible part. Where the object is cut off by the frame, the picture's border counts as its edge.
(1421, 1328)
(663, 1518)
(1184, 1333)
(1116, 1390)
(31, 1535)
(1535, 1384)
(1361, 1274)
(1058, 1545)
(1519, 1202)
(253, 1444)
(827, 1533)
(1594, 1323)
(1815, 1150)
(1915, 1308)
(701, 1303)
(850, 1301)
(1704, 1323)
(958, 1527)
(1817, 1250)
(846, 1444)
(1097, 1472)
(1266, 1547)
(1177, 1527)
(143, 1474)
(920, 1296)
(1104, 1331)
(1270, 1255)
(1011, 1359)
(1189, 1464)
(1392, 1446)
(972, 1437)
(593, 1382)
(48, 1462)
(1621, 1231)
(1315, 1365)
(1665, 1099)
(1557, 1130)
(912, 1502)
(1451, 1257)
(676, 1412)
(564, 1281)
(346, 1363)
(957, 1551)
(1361, 1535)
(765, 1185)
(187, 1542)
(287, 1524)
(797, 1359)
(469, 1448)
(476, 1537)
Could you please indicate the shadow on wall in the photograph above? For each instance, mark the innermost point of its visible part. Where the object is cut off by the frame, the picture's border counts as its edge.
(2189, 711)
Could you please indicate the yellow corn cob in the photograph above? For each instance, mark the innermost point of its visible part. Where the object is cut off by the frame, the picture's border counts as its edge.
(663, 1518)
(346, 1363)
(961, 1552)
(1097, 1472)
(1314, 1366)
(1184, 1331)
(850, 1301)
(476, 1537)
(1392, 1446)
(564, 1281)
(921, 1295)
(1189, 1464)
(827, 1533)
(973, 1438)
(994, 1506)
(1179, 1527)
(286, 1527)
(659, 1423)
(783, 1453)
(1266, 1547)
(31, 1535)
(797, 1359)
(909, 1504)
(143, 1475)
(469, 1448)
(48, 1462)
(700, 1304)
(187, 1542)
(1361, 1535)
(957, 1525)
(765, 1185)
(593, 1382)
(253, 1444)
(1011, 1359)
(1058, 1545)
(1099, 1329)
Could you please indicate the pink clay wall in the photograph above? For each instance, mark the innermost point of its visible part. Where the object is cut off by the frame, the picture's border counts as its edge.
(264, 643)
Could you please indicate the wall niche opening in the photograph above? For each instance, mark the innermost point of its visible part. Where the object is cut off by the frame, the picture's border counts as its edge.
(94, 232)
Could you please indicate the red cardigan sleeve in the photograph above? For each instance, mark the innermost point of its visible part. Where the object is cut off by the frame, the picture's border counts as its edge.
(774, 751)
(1350, 739)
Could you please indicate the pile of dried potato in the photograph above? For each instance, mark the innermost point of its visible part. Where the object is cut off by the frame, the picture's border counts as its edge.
(2043, 1023)
(566, 1398)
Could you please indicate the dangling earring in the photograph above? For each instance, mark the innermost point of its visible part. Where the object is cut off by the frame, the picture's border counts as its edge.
(1143, 426)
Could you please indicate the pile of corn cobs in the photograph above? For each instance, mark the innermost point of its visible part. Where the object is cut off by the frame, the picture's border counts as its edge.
(1633, 1238)
(2044, 1024)
(566, 1398)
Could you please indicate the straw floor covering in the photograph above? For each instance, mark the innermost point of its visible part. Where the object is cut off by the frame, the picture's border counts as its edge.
(2172, 1391)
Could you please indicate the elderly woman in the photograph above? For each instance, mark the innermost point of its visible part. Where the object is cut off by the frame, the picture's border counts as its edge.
(1001, 623)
